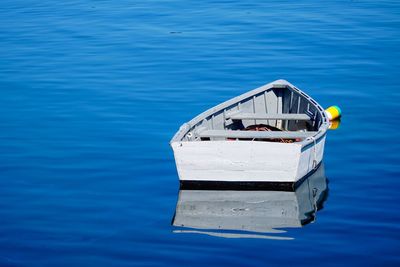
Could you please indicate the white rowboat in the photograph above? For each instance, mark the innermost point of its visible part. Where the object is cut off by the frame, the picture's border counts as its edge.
(223, 146)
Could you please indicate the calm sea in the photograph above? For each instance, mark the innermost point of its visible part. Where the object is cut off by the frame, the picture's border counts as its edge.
(92, 91)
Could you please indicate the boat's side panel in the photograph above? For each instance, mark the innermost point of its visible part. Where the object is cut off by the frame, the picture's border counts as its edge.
(237, 161)
(311, 156)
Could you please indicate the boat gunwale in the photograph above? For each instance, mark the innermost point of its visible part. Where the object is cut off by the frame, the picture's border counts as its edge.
(306, 143)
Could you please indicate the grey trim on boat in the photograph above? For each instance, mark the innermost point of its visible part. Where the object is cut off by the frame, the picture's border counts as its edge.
(263, 116)
(254, 134)
(310, 145)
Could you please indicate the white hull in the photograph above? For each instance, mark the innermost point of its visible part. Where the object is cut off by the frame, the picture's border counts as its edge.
(245, 161)
(216, 147)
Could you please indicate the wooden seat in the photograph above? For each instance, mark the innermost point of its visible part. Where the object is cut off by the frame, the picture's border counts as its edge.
(265, 116)
(255, 134)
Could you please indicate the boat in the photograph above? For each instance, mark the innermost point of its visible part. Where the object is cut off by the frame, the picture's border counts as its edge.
(251, 214)
(270, 137)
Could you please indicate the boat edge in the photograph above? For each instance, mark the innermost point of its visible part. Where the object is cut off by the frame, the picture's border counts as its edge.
(245, 186)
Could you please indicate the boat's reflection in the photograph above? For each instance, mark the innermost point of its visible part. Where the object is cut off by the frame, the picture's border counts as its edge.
(250, 214)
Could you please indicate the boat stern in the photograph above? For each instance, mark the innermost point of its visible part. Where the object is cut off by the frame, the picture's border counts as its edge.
(237, 161)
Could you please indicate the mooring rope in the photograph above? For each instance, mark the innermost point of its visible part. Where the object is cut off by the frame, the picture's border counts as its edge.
(314, 165)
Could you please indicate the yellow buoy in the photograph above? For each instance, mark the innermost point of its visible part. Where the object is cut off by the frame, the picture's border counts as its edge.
(333, 125)
(333, 112)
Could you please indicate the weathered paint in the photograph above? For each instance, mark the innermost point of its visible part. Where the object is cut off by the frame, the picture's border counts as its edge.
(237, 161)
(221, 159)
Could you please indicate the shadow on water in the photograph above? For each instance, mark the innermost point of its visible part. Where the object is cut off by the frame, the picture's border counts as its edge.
(250, 214)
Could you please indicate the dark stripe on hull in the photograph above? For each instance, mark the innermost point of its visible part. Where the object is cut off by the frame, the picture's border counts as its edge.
(310, 145)
(244, 186)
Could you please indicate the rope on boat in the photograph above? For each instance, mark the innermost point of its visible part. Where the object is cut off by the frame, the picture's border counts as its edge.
(267, 128)
(314, 165)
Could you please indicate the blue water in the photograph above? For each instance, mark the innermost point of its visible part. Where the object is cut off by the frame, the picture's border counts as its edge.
(92, 91)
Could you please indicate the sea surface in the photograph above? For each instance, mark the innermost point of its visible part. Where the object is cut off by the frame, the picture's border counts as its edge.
(91, 92)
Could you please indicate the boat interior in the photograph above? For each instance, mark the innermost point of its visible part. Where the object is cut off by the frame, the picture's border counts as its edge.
(277, 114)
